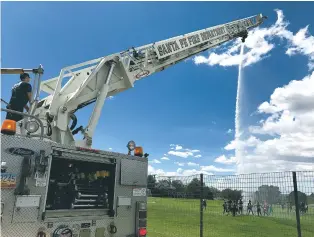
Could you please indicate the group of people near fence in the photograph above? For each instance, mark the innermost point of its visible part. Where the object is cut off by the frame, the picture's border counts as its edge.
(303, 207)
(236, 208)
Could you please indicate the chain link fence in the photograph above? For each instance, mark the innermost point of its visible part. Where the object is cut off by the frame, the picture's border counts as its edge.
(264, 204)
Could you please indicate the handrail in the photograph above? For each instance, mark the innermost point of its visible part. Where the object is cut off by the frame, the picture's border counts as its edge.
(28, 115)
(36, 85)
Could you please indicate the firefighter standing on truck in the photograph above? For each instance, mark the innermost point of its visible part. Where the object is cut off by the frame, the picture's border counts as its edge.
(21, 95)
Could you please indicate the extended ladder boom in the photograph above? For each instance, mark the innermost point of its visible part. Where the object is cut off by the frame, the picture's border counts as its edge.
(95, 80)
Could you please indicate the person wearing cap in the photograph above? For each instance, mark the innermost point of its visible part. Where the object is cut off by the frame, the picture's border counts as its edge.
(21, 95)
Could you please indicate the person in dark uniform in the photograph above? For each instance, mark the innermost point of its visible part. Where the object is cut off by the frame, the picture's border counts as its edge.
(204, 204)
(240, 207)
(234, 208)
(259, 211)
(250, 208)
(229, 206)
(302, 207)
(225, 207)
(21, 95)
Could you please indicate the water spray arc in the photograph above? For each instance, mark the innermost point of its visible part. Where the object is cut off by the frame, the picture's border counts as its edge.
(238, 111)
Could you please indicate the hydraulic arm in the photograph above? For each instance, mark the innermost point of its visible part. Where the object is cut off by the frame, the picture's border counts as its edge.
(95, 80)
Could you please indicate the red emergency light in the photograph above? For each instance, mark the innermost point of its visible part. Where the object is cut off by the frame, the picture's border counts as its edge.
(142, 232)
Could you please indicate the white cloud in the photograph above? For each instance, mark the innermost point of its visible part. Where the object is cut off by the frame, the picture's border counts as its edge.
(194, 151)
(258, 45)
(224, 160)
(175, 147)
(110, 148)
(164, 158)
(178, 172)
(198, 156)
(193, 172)
(178, 147)
(231, 146)
(179, 163)
(152, 170)
(284, 140)
(302, 43)
(297, 96)
(192, 164)
(110, 97)
(177, 150)
(229, 131)
(215, 169)
(155, 161)
(183, 154)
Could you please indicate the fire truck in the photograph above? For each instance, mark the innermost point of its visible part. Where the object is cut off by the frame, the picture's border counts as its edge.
(54, 184)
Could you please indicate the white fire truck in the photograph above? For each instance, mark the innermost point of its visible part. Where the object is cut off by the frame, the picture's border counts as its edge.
(55, 185)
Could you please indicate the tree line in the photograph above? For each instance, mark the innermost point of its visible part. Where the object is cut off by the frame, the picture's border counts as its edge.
(269, 193)
(166, 187)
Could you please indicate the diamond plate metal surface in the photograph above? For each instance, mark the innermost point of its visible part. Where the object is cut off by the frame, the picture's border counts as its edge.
(25, 215)
(124, 218)
(129, 177)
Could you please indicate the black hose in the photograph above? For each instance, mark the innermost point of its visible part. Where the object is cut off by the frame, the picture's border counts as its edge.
(49, 128)
(74, 123)
(77, 130)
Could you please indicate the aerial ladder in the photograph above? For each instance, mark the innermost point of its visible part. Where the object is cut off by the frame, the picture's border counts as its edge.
(95, 80)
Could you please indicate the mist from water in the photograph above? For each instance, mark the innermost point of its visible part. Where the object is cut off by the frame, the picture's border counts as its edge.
(238, 153)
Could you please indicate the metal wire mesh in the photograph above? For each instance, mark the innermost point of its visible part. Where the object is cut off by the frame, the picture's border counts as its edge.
(174, 207)
(261, 204)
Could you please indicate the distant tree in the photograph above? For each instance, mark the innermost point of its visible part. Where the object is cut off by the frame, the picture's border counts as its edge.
(163, 187)
(231, 194)
(208, 193)
(151, 181)
(301, 197)
(284, 198)
(310, 199)
(216, 192)
(270, 194)
(194, 187)
(178, 185)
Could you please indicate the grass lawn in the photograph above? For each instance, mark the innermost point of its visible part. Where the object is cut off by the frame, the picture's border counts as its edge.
(169, 217)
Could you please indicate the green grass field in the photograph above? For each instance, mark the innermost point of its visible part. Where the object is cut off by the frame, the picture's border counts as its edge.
(180, 218)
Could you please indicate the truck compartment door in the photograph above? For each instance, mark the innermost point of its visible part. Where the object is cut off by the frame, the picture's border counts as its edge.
(133, 172)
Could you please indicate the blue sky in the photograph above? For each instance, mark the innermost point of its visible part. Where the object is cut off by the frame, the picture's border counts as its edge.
(189, 104)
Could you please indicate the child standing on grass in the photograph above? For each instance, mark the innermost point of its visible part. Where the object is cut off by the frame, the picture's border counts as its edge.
(225, 209)
(204, 204)
(229, 206)
(265, 209)
(250, 208)
(259, 212)
(234, 208)
(240, 207)
(270, 210)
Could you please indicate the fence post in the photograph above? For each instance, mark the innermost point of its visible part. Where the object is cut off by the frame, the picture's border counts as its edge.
(201, 206)
(296, 202)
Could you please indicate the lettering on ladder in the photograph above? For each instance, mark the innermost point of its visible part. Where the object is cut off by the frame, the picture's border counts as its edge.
(176, 45)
